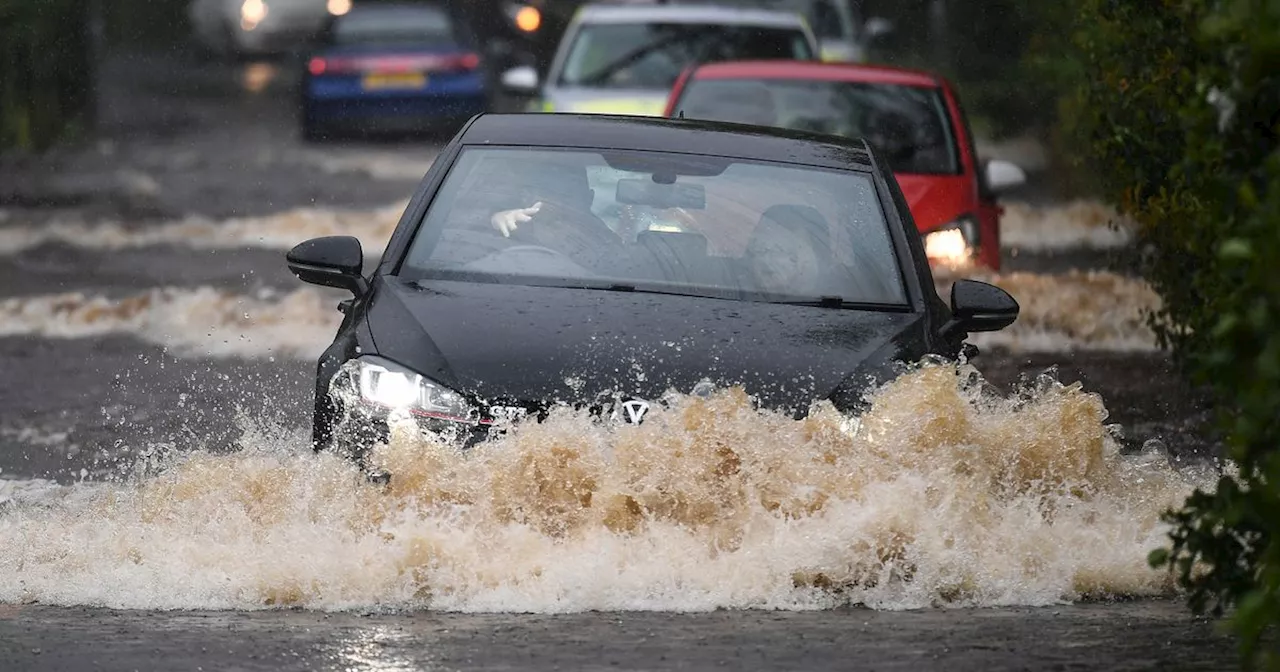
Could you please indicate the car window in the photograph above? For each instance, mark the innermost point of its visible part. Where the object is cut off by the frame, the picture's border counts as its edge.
(652, 55)
(424, 24)
(909, 125)
(683, 223)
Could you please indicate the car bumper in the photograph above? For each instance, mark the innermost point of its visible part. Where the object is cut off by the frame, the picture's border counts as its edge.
(391, 113)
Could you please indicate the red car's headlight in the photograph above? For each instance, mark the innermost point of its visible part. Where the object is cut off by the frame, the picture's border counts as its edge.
(955, 243)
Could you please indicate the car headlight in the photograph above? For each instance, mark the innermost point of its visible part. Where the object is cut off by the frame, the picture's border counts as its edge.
(955, 243)
(386, 385)
(252, 12)
(525, 17)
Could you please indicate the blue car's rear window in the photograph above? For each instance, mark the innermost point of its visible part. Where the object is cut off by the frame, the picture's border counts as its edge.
(424, 24)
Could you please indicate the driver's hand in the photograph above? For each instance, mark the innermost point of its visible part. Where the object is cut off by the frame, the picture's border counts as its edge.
(505, 221)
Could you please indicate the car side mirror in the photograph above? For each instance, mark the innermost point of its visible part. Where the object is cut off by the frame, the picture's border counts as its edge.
(1002, 176)
(978, 306)
(331, 261)
(875, 28)
(521, 79)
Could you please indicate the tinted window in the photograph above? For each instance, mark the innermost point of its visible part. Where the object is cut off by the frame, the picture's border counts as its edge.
(681, 223)
(909, 125)
(651, 56)
(426, 24)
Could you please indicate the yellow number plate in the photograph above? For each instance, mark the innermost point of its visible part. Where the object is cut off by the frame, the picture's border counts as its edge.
(399, 80)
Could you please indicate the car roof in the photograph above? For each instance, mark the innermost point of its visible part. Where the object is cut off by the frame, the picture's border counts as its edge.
(690, 13)
(839, 72)
(667, 135)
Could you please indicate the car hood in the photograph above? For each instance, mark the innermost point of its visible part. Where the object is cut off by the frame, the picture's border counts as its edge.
(644, 102)
(536, 345)
(936, 200)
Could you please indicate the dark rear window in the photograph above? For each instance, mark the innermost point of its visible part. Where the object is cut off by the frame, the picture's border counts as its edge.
(909, 125)
(419, 25)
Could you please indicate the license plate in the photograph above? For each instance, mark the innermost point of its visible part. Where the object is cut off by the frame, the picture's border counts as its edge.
(397, 80)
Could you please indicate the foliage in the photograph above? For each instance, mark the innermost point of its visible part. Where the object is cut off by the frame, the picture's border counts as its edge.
(45, 71)
(1180, 103)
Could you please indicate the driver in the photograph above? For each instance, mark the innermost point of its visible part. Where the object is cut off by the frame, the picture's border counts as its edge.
(553, 209)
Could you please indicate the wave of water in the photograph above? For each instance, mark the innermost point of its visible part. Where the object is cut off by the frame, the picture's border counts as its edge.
(944, 495)
(1074, 311)
(278, 231)
(1078, 224)
(196, 322)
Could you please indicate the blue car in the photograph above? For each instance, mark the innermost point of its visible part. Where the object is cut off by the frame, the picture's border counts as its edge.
(407, 66)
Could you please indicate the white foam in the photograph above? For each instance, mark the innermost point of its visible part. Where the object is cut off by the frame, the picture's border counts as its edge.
(942, 498)
(278, 231)
(191, 322)
(1080, 224)
(1077, 310)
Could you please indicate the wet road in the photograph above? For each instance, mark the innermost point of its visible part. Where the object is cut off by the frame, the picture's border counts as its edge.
(219, 143)
(1126, 636)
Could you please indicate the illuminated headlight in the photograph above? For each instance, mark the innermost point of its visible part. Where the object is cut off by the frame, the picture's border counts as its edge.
(339, 7)
(525, 17)
(955, 243)
(252, 12)
(386, 385)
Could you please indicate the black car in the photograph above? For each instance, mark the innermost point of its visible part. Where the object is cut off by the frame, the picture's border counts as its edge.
(602, 261)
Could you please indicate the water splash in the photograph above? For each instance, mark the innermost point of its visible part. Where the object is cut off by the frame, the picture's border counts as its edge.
(946, 495)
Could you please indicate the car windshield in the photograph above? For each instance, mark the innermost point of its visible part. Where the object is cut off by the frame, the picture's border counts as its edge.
(823, 17)
(649, 221)
(420, 24)
(908, 125)
(652, 55)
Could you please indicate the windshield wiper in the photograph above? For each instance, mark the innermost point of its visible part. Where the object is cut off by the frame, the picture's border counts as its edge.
(841, 303)
(633, 289)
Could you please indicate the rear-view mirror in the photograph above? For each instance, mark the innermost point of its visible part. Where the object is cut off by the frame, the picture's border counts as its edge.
(634, 191)
(1003, 176)
(876, 27)
(522, 78)
(331, 261)
(978, 306)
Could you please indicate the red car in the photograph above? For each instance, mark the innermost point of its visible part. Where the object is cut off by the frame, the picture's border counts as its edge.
(914, 119)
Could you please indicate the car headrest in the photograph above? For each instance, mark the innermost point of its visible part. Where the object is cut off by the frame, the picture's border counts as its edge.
(801, 220)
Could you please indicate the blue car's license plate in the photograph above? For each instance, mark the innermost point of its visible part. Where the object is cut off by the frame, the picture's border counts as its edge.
(397, 80)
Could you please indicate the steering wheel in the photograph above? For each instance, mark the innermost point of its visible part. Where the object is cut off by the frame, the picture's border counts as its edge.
(532, 248)
(537, 259)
